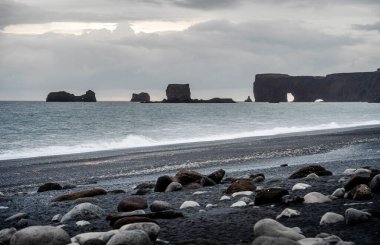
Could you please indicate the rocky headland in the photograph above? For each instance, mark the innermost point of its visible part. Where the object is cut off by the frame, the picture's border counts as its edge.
(63, 96)
(142, 97)
(339, 87)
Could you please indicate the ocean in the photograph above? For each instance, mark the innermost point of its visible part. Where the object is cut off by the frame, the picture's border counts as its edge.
(34, 129)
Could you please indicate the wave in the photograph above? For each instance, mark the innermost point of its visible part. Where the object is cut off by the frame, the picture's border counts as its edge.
(136, 141)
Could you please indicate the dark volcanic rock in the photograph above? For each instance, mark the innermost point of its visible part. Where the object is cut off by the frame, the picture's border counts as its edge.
(305, 171)
(49, 187)
(340, 87)
(292, 199)
(130, 220)
(216, 100)
(186, 177)
(375, 184)
(248, 99)
(141, 97)
(356, 180)
(178, 93)
(241, 185)
(162, 183)
(80, 194)
(63, 96)
(131, 204)
(217, 176)
(270, 195)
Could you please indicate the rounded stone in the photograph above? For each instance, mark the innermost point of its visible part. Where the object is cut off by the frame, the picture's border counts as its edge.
(40, 235)
(158, 206)
(131, 204)
(152, 229)
(331, 218)
(316, 197)
(272, 228)
(135, 237)
(375, 184)
(83, 211)
(162, 183)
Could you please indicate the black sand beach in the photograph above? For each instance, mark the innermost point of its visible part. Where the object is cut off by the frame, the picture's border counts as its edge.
(336, 150)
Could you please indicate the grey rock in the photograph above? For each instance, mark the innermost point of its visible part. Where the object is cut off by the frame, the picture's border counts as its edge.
(83, 211)
(174, 186)
(135, 237)
(270, 227)
(103, 236)
(40, 235)
(375, 184)
(158, 206)
(338, 193)
(6, 234)
(152, 229)
(56, 218)
(267, 240)
(354, 216)
(331, 218)
(245, 199)
(17, 216)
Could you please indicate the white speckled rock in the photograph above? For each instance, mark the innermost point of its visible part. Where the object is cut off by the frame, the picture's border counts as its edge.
(270, 227)
(225, 198)
(238, 204)
(288, 213)
(104, 236)
(152, 229)
(316, 197)
(135, 237)
(189, 204)
(40, 235)
(83, 211)
(300, 186)
(331, 218)
(242, 193)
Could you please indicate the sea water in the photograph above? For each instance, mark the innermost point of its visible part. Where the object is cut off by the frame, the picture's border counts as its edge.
(32, 129)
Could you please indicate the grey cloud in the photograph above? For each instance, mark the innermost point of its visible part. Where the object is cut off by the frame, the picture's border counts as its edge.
(207, 4)
(369, 27)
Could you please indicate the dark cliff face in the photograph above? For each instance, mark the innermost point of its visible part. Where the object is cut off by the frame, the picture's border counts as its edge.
(340, 87)
(178, 93)
(141, 97)
(63, 96)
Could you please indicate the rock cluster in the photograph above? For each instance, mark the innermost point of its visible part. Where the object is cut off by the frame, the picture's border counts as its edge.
(63, 96)
(141, 97)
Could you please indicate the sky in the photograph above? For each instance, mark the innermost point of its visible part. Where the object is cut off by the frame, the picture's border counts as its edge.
(120, 47)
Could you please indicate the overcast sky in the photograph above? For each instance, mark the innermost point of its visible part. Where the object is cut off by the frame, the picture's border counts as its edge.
(117, 47)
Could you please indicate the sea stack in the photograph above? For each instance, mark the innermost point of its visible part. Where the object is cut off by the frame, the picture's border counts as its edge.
(248, 99)
(63, 96)
(178, 93)
(141, 97)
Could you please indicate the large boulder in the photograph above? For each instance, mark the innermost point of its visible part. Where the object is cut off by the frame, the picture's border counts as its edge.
(241, 185)
(83, 211)
(40, 235)
(178, 93)
(80, 194)
(63, 96)
(141, 97)
(305, 171)
(186, 177)
(272, 228)
(270, 195)
(131, 204)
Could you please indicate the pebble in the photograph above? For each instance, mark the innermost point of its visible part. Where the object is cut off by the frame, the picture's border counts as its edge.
(242, 193)
(82, 223)
(315, 197)
(331, 218)
(83, 211)
(41, 235)
(288, 213)
(238, 204)
(225, 198)
(300, 186)
(135, 237)
(152, 229)
(189, 204)
(211, 205)
(270, 227)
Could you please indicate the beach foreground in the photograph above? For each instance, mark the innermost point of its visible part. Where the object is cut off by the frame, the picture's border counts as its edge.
(118, 172)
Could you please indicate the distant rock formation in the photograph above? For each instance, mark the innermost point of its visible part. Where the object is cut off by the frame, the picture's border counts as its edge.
(248, 99)
(178, 93)
(63, 96)
(141, 97)
(339, 87)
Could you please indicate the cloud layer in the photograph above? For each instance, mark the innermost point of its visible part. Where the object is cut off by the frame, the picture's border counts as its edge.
(219, 55)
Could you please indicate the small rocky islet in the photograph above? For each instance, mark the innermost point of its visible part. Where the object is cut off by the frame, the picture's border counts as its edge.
(312, 206)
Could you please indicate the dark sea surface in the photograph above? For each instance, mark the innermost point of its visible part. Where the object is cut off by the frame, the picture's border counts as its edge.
(34, 129)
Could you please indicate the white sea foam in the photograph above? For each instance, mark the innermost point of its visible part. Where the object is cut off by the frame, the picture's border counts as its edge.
(135, 141)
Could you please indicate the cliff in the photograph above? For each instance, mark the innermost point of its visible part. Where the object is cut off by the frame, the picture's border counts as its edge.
(141, 97)
(339, 87)
(63, 96)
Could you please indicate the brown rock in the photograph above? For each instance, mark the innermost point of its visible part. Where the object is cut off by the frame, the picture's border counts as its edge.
(162, 183)
(131, 204)
(305, 171)
(185, 177)
(217, 176)
(80, 194)
(270, 195)
(192, 186)
(361, 192)
(241, 185)
(357, 180)
(130, 220)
